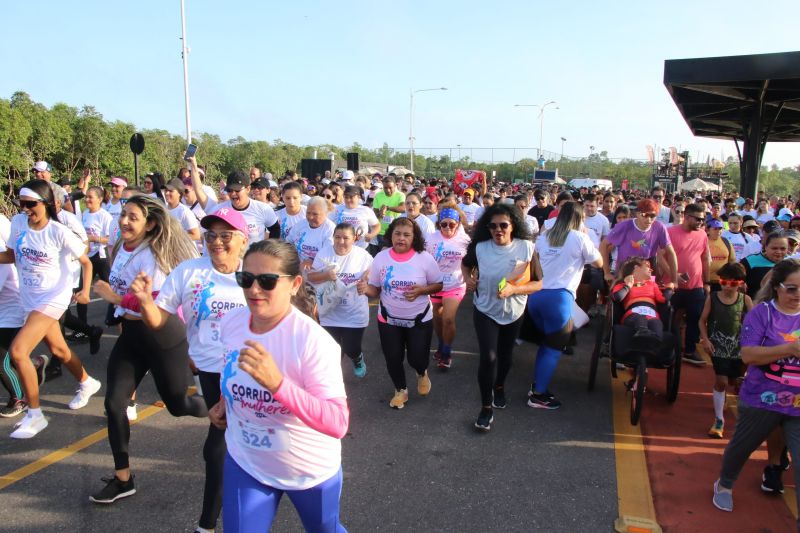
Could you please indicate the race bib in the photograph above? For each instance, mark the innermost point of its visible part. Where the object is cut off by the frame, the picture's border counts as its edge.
(399, 322)
(644, 311)
(209, 332)
(264, 439)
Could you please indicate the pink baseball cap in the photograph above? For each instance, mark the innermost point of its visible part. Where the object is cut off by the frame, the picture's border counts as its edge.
(228, 215)
(117, 180)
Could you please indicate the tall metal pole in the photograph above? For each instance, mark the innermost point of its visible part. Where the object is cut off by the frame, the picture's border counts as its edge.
(541, 108)
(185, 56)
(411, 127)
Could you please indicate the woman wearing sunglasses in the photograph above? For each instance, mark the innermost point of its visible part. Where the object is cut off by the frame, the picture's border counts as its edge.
(448, 246)
(154, 243)
(354, 213)
(562, 253)
(205, 290)
(404, 276)
(283, 405)
(768, 398)
(775, 248)
(347, 315)
(499, 267)
(413, 204)
(43, 249)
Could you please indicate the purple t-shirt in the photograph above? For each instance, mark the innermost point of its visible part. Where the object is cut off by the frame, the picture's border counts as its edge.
(764, 325)
(630, 241)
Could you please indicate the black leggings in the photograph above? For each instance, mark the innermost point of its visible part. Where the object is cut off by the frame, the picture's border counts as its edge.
(496, 345)
(348, 338)
(8, 372)
(637, 321)
(100, 270)
(139, 349)
(214, 454)
(397, 341)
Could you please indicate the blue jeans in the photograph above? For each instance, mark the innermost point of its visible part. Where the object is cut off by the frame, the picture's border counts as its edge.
(248, 505)
(692, 300)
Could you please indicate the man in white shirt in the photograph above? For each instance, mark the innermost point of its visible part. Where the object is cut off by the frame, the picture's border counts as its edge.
(469, 207)
(598, 228)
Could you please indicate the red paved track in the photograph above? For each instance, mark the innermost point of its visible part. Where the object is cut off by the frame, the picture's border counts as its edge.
(683, 463)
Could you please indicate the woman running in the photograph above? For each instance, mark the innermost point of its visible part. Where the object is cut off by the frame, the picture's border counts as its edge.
(361, 217)
(43, 249)
(205, 290)
(346, 316)
(12, 317)
(448, 246)
(404, 276)
(283, 401)
(309, 236)
(97, 223)
(293, 211)
(413, 205)
(152, 242)
(499, 267)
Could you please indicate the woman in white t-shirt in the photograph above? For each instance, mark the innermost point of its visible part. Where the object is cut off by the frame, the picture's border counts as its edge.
(404, 276)
(153, 242)
(343, 310)
(448, 246)
(413, 204)
(309, 236)
(361, 217)
(283, 402)
(499, 267)
(205, 290)
(43, 249)
(97, 222)
(12, 318)
(563, 252)
(293, 211)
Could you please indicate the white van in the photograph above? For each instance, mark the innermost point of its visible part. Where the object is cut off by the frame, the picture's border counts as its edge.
(591, 182)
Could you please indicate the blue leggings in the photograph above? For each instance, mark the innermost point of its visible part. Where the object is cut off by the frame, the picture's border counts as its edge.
(550, 311)
(248, 505)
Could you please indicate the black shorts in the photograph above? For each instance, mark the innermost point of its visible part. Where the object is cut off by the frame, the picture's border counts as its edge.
(728, 366)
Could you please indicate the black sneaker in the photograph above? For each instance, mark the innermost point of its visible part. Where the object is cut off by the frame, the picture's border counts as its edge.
(785, 462)
(485, 419)
(694, 359)
(13, 408)
(543, 401)
(94, 340)
(78, 337)
(771, 479)
(499, 399)
(40, 363)
(114, 490)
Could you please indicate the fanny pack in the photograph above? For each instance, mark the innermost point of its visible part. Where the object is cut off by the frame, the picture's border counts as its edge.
(783, 374)
(403, 322)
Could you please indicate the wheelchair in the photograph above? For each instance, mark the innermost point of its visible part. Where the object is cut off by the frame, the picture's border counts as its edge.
(616, 341)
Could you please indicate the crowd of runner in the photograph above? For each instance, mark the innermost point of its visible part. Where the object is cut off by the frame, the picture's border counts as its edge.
(255, 286)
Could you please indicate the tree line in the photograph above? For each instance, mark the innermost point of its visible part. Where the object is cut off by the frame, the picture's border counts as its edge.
(72, 139)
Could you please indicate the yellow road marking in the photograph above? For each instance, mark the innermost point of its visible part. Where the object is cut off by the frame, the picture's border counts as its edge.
(67, 451)
(635, 498)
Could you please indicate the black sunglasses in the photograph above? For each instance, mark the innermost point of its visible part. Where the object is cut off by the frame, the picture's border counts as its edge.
(29, 204)
(266, 281)
(502, 225)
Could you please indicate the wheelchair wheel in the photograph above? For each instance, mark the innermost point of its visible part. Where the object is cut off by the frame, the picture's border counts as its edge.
(637, 390)
(596, 353)
(674, 373)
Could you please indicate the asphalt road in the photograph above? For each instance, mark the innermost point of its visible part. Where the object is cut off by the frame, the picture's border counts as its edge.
(423, 468)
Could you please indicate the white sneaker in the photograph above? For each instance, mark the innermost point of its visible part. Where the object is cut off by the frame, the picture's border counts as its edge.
(131, 412)
(86, 390)
(29, 427)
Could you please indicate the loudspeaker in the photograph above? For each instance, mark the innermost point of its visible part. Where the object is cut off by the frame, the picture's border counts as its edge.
(309, 167)
(352, 161)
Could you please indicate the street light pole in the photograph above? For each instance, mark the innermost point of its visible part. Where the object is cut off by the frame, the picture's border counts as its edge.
(185, 56)
(541, 120)
(563, 140)
(412, 92)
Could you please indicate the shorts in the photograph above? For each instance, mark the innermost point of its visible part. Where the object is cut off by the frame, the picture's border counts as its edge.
(457, 293)
(730, 367)
(50, 311)
(593, 277)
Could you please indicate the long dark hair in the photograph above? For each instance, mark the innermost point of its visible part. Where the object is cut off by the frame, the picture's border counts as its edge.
(42, 188)
(481, 229)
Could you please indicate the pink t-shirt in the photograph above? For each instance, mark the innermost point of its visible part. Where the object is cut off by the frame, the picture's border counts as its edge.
(690, 247)
(394, 274)
(448, 254)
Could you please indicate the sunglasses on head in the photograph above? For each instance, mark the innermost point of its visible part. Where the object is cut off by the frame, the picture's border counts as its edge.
(29, 204)
(651, 216)
(450, 225)
(731, 282)
(225, 236)
(495, 225)
(266, 281)
(790, 289)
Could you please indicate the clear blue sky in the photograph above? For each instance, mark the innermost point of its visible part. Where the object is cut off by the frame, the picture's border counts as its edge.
(312, 72)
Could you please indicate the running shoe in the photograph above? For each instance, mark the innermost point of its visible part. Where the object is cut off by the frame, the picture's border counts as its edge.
(86, 390)
(13, 408)
(694, 358)
(130, 411)
(399, 400)
(444, 362)
(360, 367)
(424, 384)
(114, 490)
(94, 339)
(771, 479)
(30, 426)
(78, 336)
(545, 400)
(785, 462)
(568, 350)
(723, 498)
(485, 419)
(437, 355)
(40, 362)
(716, 430)
(499, 399)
